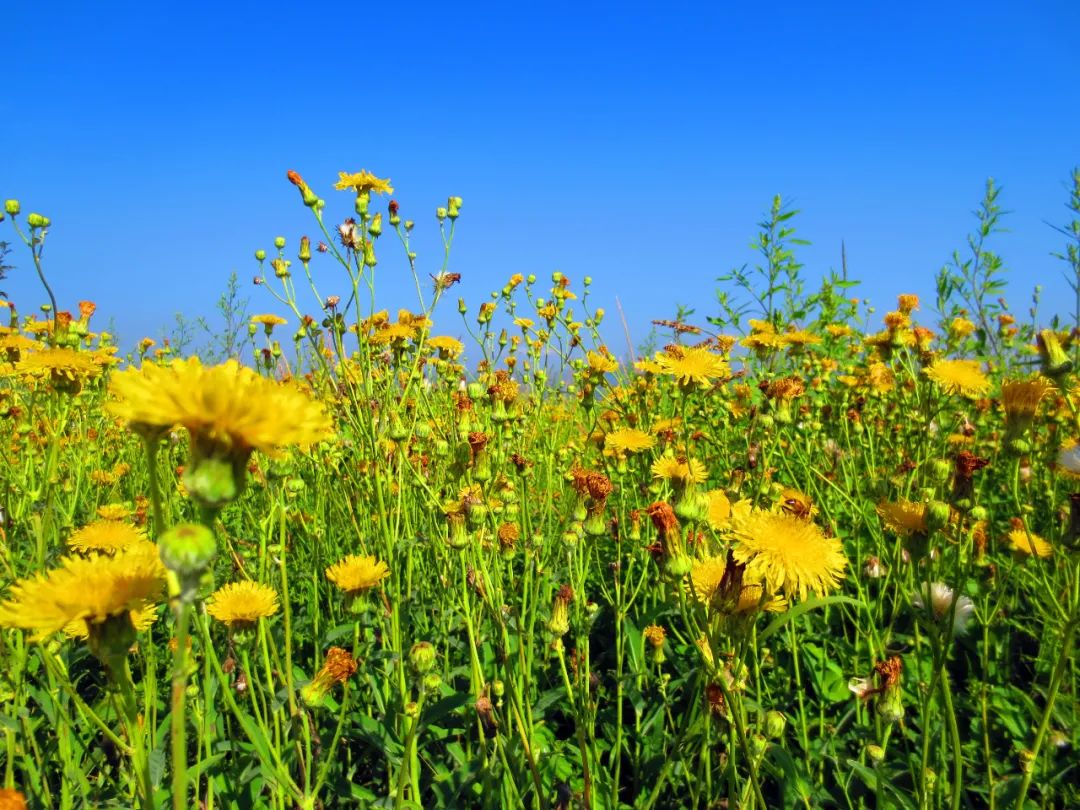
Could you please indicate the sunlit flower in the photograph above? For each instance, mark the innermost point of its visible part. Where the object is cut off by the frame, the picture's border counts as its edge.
(241, 604)
(903, 517)
(629, 440)
(107, 536)
(228, 405)
(679, 470)
(92, 589)
(961, 377)
(1021, 398)
(114, 511)
(692, 366)
(705, 577)
(940, 598)
(58, 364)
(719, 516)
(338, 667)
(362, 181)
(1029, 543)
(602, 362)
(269, 321)
(141, 619)
(356, 573)
(787, 553)
(447, 347)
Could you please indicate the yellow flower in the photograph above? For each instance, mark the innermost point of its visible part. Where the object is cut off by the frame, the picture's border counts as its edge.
(446, 346)
(799, 338)
(786, 553)
(141, 619)
(362, 181)
(355, 573)
(602, 362)
(227, 405)
(961, 327)
(92, 589)
(705, 577)
(903, 517)
(241, 604)
(692, 366)
(268, 320)
(680, 470)
(58, 364)
(629, 440)
(1021, 398)
(752, 598)
(959, 377)
(647, 366)
(662, 425)
(106, 536)
(719, 509)
(393, 332)
(114, 511)
(1026, 543)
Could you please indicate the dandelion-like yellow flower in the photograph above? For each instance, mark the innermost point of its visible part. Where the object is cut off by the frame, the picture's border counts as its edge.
(92, 589)
(362, 181)
(602, 362)
(106, 536)
(142, 619)
(692, 366)
(241, 604)
(1021, 398)
(114, 511)
(1029, 544)
(446, 346)
(705, 577)
(903, 517)
(228, 405)
(268, 320)
(961, 377)
(679, 470)
(719, 516)
(628, 440)
(356, 573)
(58, 364)
(786, 553)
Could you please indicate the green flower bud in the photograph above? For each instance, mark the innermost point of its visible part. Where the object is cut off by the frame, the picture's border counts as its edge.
(38, 221)
(875, 753)
(110, 640)
(422, 657)
(775, 723)
(279, 242)
(187, 550)
(440, 213)
(214, 481)
(260, 255)
(937, 515)
(12, 207)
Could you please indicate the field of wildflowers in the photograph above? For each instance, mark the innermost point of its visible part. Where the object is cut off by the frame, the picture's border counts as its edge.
(361, 562)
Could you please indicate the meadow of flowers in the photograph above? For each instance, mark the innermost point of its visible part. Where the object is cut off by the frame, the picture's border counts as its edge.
(461, 556)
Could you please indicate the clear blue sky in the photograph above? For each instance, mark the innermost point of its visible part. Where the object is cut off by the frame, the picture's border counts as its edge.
(638, 146)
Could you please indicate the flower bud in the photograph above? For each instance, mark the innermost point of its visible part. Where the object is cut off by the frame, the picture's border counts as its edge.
(187, 550)
(440, 213)
(875, 753)
(305, 250)
(36, 221)
(279, 242)
(453, 207)
(12, 207)
(260, 255)
(937, 515)
(422, 657)
(775, 723)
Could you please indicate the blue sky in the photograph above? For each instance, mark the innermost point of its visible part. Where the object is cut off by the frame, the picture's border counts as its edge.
(638, 144)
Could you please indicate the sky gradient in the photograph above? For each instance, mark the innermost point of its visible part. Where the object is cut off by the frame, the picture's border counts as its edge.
(639, 147)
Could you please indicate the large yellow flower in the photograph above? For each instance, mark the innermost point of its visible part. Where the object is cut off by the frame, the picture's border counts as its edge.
(692, 366)
(227, 405)
(108, 536)
(628, 440)
(787, 553)
(141, 619)
(1027, 543)
(962, 377)
(240, 604)
(58, 364)
(355, 573)
(92, 589)
(902, 517)
(679, 470)
(362, 181)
